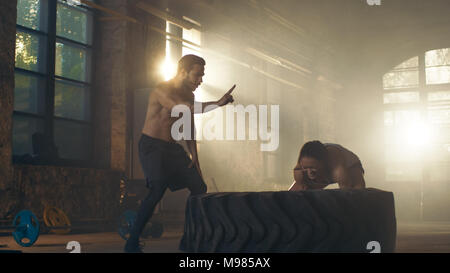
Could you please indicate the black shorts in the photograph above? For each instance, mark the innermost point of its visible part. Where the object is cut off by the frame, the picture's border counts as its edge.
(167, 162)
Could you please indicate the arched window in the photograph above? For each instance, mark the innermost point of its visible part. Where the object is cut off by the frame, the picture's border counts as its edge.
(416, 100)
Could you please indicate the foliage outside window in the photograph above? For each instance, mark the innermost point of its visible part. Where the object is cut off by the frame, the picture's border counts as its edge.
(53, 93)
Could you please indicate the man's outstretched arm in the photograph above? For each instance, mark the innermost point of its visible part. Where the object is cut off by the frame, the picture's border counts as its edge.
(203, 107)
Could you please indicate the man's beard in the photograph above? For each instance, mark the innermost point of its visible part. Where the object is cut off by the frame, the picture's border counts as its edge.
(189, 85)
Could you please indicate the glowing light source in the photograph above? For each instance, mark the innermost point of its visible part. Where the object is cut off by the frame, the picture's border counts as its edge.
(417, 135)
(168, 70)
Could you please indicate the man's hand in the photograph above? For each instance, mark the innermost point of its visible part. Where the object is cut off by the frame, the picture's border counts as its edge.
(227, 98)
(302, 181)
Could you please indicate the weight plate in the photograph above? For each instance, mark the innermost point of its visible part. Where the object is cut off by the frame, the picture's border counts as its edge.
(126, 222)
(55, 217)
(27, 227)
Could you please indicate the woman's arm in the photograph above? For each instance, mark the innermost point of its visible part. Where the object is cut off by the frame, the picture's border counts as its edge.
(297, 187)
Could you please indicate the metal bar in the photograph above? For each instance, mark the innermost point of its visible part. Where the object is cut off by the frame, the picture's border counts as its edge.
(74, 227)
(51, 58)
(78, 121)
(77, 7)
(30, 30)
(32, 115)
(73, 81)
(30, 72)
(112, 18)
(423, 113)
(73, 43)
(19, 227)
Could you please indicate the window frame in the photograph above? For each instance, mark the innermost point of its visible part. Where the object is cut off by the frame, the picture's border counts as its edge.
(49, 77)
(422, 106)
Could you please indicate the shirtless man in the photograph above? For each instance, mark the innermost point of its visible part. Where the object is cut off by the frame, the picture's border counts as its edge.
(165, 162)
(321, 164)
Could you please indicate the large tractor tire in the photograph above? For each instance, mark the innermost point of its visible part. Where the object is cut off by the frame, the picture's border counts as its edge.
(332, 221)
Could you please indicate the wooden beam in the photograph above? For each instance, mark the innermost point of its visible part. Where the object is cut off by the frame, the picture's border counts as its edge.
(111, 18)
(173, 36)
(109, 11)
(164, 15)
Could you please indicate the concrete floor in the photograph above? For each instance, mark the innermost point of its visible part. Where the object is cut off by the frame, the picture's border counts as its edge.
(427, 237)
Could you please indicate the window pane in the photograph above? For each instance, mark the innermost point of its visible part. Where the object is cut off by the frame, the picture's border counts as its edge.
(442, 135)
(388, 118)
(71, 62)
(446, 147)
(401, 97)
(401, 117)
(411, 63)
(437, 64)
(23, 130)
(30, 52)
(437, 57)
(32, 14)
(72, 140)
(193, 36)
(438, 75)
(191, 50)
(73, 23)
(439, 96)
(440, 154)
(403, 128)
(439, 116)
(29, 94)
(406, 79)
(71, 101)
(439, 107)
(74, 3)
(404, 75)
